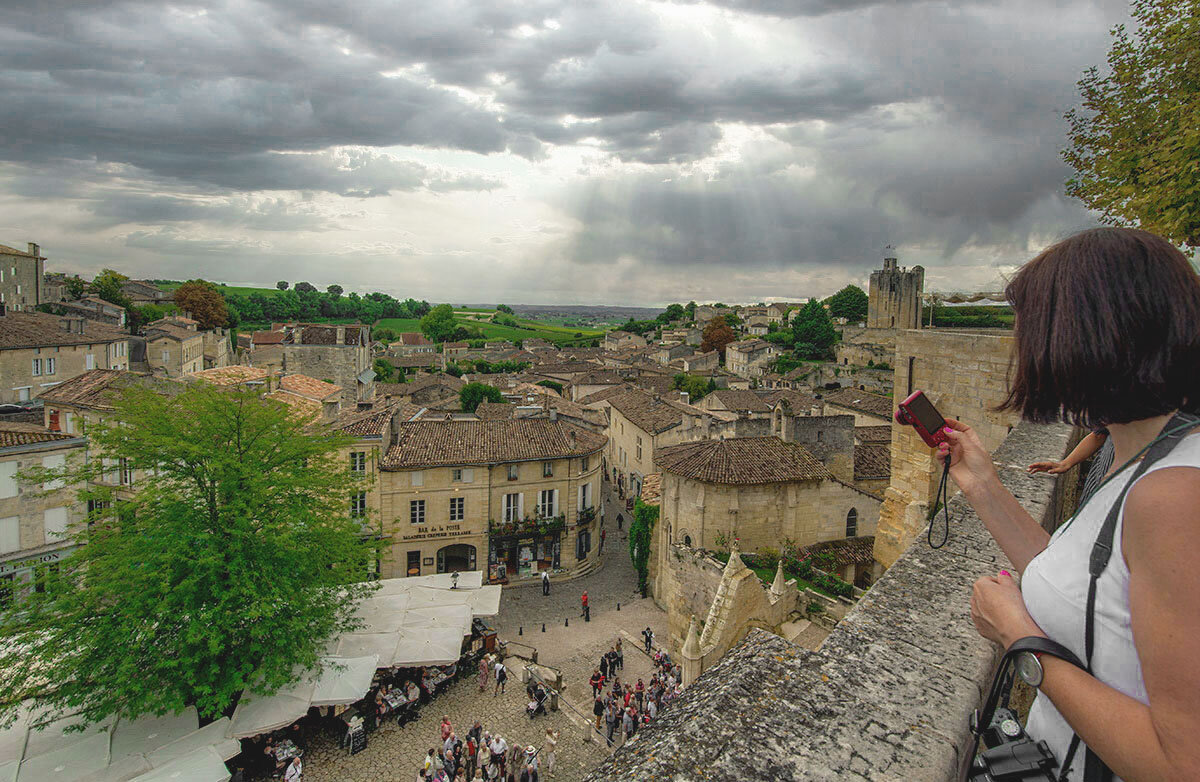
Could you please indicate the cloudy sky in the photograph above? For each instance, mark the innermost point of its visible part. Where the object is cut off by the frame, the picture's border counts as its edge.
(543, 151)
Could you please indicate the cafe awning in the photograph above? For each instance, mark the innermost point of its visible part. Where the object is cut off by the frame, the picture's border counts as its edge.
(340, 680)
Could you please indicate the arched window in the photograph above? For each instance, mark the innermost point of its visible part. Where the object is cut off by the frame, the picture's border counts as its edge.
(852, 523)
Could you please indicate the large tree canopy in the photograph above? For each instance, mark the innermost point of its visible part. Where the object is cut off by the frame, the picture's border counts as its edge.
(849, 303)
(814, 332)
(717, 335)
(474, 394)
(230, 568)
(439, 323)
(203, 302)
(1135, 143)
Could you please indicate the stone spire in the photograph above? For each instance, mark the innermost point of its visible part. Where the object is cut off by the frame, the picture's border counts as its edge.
(778, 586)
(691, 646)
(735, 564)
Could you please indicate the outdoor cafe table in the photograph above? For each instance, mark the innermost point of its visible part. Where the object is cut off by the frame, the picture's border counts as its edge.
(286, 750)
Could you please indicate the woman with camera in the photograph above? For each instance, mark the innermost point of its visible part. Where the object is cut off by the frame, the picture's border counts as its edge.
(1107, 334)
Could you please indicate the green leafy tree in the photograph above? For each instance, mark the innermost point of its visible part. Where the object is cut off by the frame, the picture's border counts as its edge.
(1135, 141)
(107, 285)
(383, 370)
(474, 394)
(690, 309)
(814, 332)
(696, 387)
(849, 303)
(507, 310)
(305, 287)
(335, 290)
(230, 568)
(672, 313)
(640, 529)
(75, 287)
(553, 385)
(439, 324)
(281, 285)
(453, 370)
(733, 320)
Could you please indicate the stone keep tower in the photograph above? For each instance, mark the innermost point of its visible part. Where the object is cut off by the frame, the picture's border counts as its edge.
(894, 301)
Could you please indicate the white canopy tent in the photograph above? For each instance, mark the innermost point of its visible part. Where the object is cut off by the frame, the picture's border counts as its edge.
(340, 680)
(115, 750)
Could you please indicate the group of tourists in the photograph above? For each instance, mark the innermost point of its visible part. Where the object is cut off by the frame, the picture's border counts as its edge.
(483, 755)
(627, 706)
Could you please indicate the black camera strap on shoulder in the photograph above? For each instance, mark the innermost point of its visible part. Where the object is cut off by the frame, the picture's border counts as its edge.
(1094, 769)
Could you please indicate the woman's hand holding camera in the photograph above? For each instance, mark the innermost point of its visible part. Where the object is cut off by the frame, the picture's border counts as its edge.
(970, 463)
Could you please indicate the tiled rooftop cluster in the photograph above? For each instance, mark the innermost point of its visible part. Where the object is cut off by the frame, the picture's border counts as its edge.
(742, 460)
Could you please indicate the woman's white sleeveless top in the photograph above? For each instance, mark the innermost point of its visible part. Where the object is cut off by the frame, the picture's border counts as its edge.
(1055, 587)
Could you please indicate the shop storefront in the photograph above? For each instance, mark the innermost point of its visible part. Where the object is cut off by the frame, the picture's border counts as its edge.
(522, 549)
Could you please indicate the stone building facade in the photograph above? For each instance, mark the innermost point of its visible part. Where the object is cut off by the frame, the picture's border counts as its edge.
(965, 375)
(640, 423)
(38, 351)
(21, 277)
(510, 497)
(35, 519)
(750, 358)
(173, 350)
(759, 491)
(340, 354)
(894, 300)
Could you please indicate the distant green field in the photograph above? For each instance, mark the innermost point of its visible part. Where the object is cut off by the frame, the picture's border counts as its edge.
(556, 334)
(229, 290)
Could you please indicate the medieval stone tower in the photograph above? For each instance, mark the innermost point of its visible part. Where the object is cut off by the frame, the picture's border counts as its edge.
(894, 301)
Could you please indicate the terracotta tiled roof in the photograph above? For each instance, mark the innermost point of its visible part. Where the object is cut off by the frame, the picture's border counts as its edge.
(413, 338)
(177, 333)
(747, 401)
(655, 384)
(873, 434)
(846, 551)
(392, 389)
(233, 375)
(862, 401)
(449, 382)
(6, 250)
(604, 394)
(326, 334)
(797, 400)
(95, 388)
(443, 443)
(301, 407)
(741, 460)
(29, 434)
(495, 411)
(652, 488)
(308, 387)
(647, 412)
(267, 337)
(567, 368)
(872, 460)
(598, 377)
(749, 346)
(414, 360)
(366, 423)
(38, 329)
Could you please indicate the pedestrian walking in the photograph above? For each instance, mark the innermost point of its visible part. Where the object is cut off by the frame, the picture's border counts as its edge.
(604, 669)
(627, 722)
(483, 673)
(648, 634)
(295, 771)
(548, 749)
(603, 535)
(585, 613)
(620, 655)
(545, 582)
(501, 678)
(620, 521)
(597, 681)
(611, 719)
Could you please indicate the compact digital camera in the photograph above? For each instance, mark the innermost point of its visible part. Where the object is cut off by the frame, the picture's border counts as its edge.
(919, 413)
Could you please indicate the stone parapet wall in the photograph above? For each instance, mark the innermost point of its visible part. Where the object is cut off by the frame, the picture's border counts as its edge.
(684, 586)
(887, 696)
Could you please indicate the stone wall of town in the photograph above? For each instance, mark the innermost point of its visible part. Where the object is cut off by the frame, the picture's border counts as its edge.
(893, 684)
(683, 583)
(830, 438)
(338, 364)
(965, 374)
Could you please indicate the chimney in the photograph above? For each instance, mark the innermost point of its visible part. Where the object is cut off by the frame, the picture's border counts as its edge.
(554, 417)
(34, 250)
(685, 397)
(341, 335)
(329, 410)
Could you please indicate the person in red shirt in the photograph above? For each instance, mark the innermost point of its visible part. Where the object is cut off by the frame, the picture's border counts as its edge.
(585, 613)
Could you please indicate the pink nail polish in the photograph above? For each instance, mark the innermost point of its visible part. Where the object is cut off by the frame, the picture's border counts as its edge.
(947, 430)
(1005, 573)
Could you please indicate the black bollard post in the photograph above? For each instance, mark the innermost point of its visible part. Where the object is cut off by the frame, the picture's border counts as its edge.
(543, 627)
(567, 622)
(521, 630)
(618, 606)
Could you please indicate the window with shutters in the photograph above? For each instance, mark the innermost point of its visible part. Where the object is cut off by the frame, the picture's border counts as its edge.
(37, 367)
(358, 504)
(458, 508)
(51, 366)
(125, 471)
(8, 479)
(512, 472)
(547, 507)
(512, 507)
(54, 522)
(358, 461)
(583, 464)
(10, 534)
(547, 469)
(418, 478)
(639, 449)
(416, 511)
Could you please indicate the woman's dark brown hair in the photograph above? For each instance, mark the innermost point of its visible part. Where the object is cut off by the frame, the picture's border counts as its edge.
(1107, 330)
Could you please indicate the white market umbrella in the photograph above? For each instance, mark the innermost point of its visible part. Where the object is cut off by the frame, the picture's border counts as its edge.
(147, 733)
(71, 761)
(201, 765)
(344, 680)
(258, 714)
(429, 647)
(214, 735)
